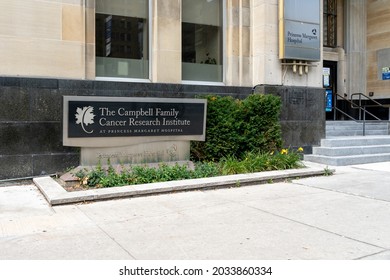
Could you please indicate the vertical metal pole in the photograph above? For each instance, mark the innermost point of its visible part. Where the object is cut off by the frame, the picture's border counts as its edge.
(335, 105)
(364, 121)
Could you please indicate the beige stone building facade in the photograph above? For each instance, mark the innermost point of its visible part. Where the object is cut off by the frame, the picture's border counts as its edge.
(176, 48)
(57, 39)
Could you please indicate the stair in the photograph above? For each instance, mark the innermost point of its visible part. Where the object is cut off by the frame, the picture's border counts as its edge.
(352, 128)
(344, 144)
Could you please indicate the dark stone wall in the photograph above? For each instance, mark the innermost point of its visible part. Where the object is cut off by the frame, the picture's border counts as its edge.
(302, 116)
(31, 117)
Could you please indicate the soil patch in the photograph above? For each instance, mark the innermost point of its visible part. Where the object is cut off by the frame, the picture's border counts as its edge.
(71, 184)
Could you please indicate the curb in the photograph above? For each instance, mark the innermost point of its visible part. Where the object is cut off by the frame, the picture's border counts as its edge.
(55, 194)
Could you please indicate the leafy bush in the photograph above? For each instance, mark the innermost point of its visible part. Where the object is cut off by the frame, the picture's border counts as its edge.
(257, 162)
(222, 135)
(235, 127)
(144, 174)
(206, 169)
(260, 126)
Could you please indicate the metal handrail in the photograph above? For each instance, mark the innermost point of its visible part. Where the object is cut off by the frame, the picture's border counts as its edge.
(339, 110)
(376, 104)
(360, 107)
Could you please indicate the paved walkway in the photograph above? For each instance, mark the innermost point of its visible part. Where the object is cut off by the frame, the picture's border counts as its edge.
(344, 216)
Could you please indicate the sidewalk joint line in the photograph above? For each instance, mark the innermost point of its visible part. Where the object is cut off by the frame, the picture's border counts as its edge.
(106, 233)
(370, 255)
(342, 192)
(315, 227)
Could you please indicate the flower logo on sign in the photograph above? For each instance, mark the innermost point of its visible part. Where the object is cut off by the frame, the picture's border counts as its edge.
(85, 116)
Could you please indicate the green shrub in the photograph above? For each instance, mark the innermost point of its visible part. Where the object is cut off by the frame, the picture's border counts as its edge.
(260, 126)
(222, 135)
(234, 127)
(231, 165)
(206, 169)
(256, 162)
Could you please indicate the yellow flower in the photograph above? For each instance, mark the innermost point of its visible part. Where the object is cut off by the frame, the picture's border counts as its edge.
(284, 152)
(272, 153)
(300, 149)
(213, 98)
(85, 181)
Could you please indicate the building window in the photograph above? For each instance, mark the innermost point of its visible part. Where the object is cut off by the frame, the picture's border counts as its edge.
(122, 40)
(330, 23)
(202, 52)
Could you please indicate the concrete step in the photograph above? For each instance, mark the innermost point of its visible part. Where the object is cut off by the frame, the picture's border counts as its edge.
(356, 127)
(346, 145)
(352, 128)
(351, 150)
(347, 160)
(349, 123)
(374, 140)
(355, 132)
(346, 150)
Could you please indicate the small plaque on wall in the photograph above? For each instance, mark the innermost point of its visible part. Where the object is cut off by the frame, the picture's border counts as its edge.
(386, 73)
(383, 64)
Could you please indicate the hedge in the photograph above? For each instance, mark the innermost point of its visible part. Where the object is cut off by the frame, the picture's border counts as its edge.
(235, 127)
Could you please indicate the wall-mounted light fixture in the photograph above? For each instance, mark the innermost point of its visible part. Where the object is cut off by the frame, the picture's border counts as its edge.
(299, 66)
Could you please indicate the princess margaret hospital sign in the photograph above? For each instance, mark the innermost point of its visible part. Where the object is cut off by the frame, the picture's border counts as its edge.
(299, 30)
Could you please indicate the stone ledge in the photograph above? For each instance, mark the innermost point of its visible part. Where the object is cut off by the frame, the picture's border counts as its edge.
(55, 194)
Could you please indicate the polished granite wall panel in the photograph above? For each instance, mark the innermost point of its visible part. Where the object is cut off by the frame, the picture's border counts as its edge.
(302, 115)
(31, 118)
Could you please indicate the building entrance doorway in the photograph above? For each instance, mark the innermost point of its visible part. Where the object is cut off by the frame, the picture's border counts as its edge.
(329, 82)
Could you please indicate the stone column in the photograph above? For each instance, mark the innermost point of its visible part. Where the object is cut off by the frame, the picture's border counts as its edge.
(238, 43)
(265, 60)
(166, 41)
(90, 55)
(355, 45)
(341, 89)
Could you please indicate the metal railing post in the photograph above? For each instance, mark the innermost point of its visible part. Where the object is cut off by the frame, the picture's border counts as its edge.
(364, 122)
(358, 105)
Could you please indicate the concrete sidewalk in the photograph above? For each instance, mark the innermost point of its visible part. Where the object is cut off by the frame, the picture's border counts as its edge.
(344, 216)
